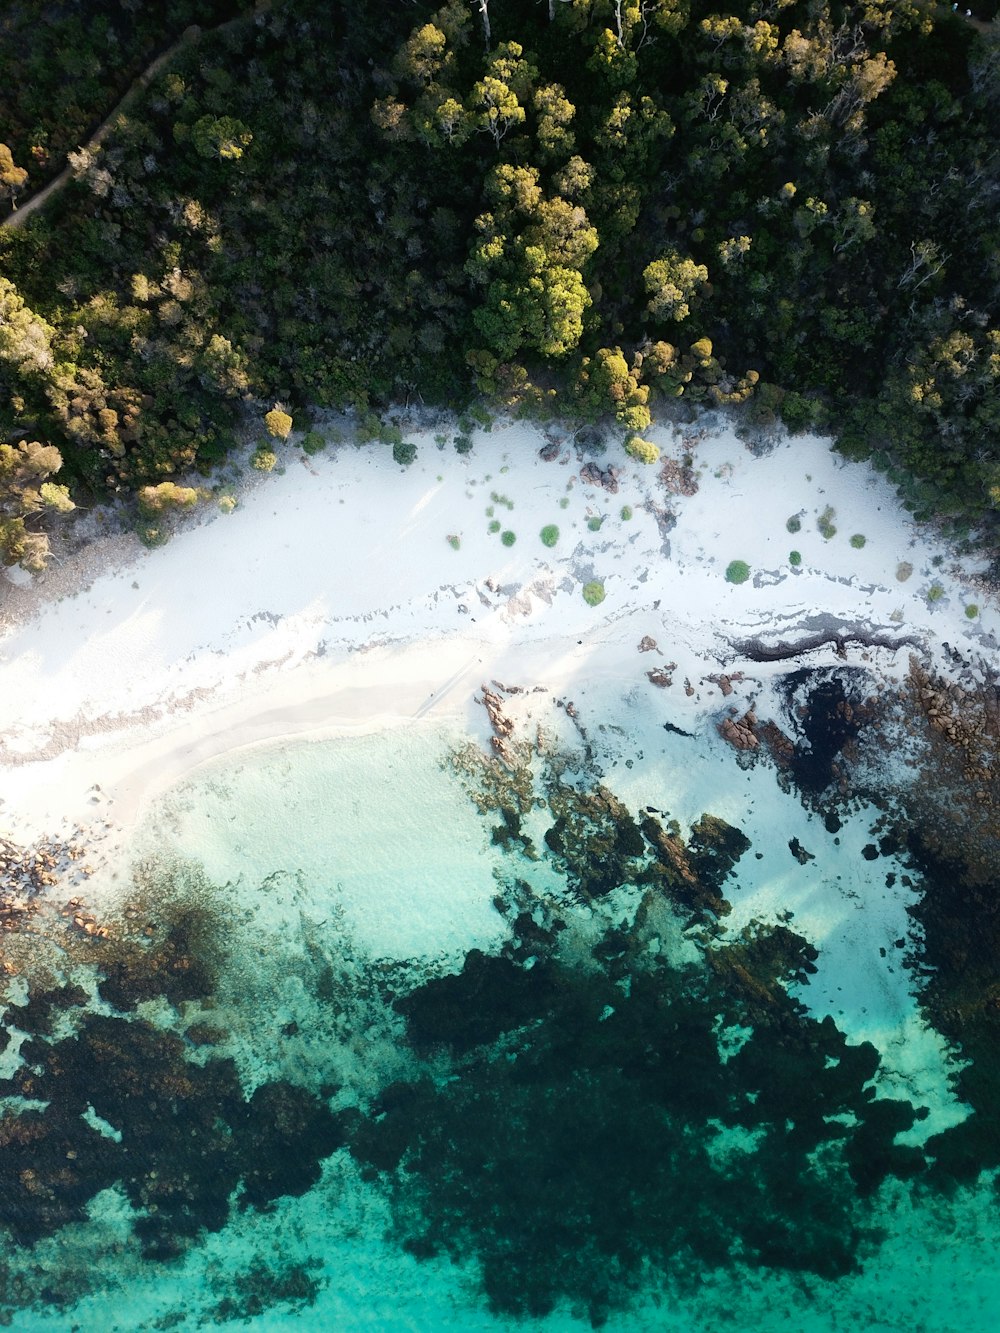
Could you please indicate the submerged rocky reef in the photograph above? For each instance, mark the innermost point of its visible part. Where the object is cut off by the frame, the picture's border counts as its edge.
(626, 1090)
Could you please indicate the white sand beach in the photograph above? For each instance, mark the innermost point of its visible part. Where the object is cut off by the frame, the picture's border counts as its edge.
(333, 600)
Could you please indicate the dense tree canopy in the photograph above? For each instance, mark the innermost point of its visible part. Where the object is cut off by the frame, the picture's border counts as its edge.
(586, 206)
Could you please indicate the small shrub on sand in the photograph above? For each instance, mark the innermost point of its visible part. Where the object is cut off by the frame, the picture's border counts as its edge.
(858, 540)
(972, 610)
(737, 571)
(794, 524)
(403, 452)
(903, 571)
(264, 460)
(643, 451)
(825, 523)
(227, 503)
(313, 442)
(549, 534)
(593, 593)
(626, 513)
(795, 558)
(935, 592)
(278, 423)
(454, 542)
(494, 526)
(594, 524)
(508, 538)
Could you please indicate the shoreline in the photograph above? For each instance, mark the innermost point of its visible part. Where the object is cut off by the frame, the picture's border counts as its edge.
(176, 654)
(228, 648)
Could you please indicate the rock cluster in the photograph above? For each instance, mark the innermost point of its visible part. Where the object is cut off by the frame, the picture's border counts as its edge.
(31, 869)
(741, 732)
(503, 726)
(608, 477)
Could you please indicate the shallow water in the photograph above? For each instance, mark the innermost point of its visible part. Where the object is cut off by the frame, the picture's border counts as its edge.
(472, 1077)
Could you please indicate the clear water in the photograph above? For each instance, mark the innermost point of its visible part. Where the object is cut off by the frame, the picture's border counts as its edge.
(559, 1175)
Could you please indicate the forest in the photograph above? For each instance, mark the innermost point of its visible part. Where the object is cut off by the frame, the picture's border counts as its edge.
(609, 211)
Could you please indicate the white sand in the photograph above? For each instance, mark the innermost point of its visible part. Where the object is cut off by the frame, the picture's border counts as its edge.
(331, 600)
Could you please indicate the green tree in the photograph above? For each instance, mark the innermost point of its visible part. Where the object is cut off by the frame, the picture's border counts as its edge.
(27, 494)
(672, 283)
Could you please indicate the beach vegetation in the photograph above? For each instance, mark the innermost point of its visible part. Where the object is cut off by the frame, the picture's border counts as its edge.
(278, 424)
(494, 526)
(794, 524)
(593, 592)
(313, 442)
(508, 538)
(404, 452)
(594, 523)
(737, 571)
(825, 524)
(795, 558)
(935, 593)
(454, 541)
(549, 534)
(166, 496)
(972, 610)
(29, 499)
(904, 570)
(858, 541)
(643, 451)
(264, 459)
(626, 513)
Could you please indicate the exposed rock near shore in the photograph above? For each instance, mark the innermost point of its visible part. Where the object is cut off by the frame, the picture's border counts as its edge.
(740, 732)
(503, 726)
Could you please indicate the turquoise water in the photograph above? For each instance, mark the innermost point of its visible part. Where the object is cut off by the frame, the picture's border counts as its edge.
(382, 1038)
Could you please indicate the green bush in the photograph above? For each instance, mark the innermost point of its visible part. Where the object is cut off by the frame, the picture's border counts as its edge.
(403, 452)
(463, 443)
(278, 423)
(858, 540)
(972, 610)
(794, 524)
(626, 513)
(737, 571)
(643, 451)
(593, 593)
(935, 592)
(549, 534)
(508, 538)
(264, 460)
(594, 524)
(795, 558)
(825, 523)
(494, 526)
(313, 442)
(454, 542)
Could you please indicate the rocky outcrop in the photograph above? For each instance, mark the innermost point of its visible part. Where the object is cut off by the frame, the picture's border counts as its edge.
(741, 732)
(606, 477)
(503, 726)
